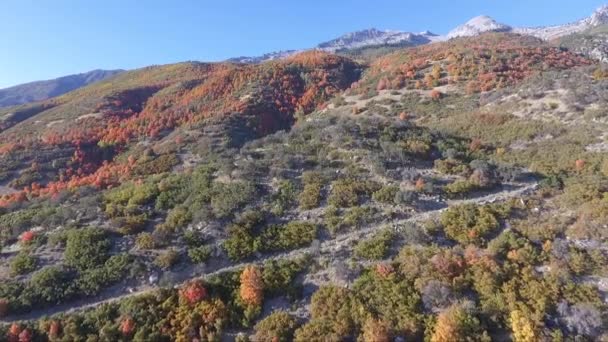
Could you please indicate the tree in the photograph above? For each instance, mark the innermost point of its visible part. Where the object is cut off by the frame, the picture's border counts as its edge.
(193, 292)
(458, 324)
(127, 326)
(13, 332)
(522, 327)
(420, 184)
(27, 237)
(375, 330)
(25, 336)
(579, 165)
(54, 330)
(436, 94)
(252, 286)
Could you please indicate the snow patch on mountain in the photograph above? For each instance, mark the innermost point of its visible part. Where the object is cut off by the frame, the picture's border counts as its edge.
(599, 17)
(478, 25)
(372, 37)
(353, 40)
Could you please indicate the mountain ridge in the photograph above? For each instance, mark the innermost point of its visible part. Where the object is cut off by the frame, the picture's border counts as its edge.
(46, 89)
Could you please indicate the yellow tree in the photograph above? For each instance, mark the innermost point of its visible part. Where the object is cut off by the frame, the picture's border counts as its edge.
(375, 330)
(522, 327)
(252, 286)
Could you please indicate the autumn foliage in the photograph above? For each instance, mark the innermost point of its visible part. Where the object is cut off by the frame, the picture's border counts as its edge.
(151, 102)
(193, 292)
(27, 237)
(252, 286)
(483, 63)
(127, 326)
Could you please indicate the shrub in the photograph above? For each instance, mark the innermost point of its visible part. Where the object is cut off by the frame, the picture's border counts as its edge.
(376, 247)
(293, 235)
(167, 259)
(346, 192)
(310, 197)
(386, 194)
(276, 327)
(229, 197)
(23, 263)
(459, 188)
(284, 198)
(145, 241)
(469, 223)
(86, 248)
(200, 254)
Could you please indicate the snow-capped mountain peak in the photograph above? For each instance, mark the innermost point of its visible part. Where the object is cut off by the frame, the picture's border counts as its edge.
(599, 17)
(374, 36)
(478, 25)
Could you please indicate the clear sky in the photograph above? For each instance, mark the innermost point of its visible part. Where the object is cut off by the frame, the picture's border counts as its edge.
(42, 39)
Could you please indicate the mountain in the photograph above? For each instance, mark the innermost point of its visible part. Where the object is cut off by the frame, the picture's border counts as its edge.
(477, 26)
(271, 56)
(592, 43)
(42, 90)
(372, 37)
(354, 40)
(599, 17)
(484, 23)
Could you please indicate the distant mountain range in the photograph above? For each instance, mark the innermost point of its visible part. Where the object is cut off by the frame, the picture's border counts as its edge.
(353, 40)
(475, 26)
(42, 90)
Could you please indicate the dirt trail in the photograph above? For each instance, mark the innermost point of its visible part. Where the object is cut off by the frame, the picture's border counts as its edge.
(328, 246)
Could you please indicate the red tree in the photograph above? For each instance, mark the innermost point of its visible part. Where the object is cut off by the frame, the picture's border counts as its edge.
(13, 333)
(54, 330)
(27, 237)
(25, 336)
(194, 292)
(127, 326)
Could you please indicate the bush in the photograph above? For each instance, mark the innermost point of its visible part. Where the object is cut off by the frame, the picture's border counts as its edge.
(405, 197)
(346, 192)
(229, 197)
(459, 188)
(145, 241)
(279, 276)
(375, 248)
(23, 263)
(86, 248)
(51, 285)
(284, 198)
(277, 327)
(241, 243)
(386, 194)
(200, 254)
(469, 223)
(293, 235)
(310, 197)
(167, 259)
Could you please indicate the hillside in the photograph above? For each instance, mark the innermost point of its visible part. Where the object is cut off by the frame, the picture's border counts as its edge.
(43, 90)
(446, 192)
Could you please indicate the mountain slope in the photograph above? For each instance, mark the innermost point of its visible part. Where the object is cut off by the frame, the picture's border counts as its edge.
(42, 90)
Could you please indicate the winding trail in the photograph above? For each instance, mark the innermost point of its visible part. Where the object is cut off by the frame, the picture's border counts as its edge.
(328, 246)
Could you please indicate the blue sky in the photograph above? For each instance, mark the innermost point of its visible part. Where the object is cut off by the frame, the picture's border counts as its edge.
(43, 39)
